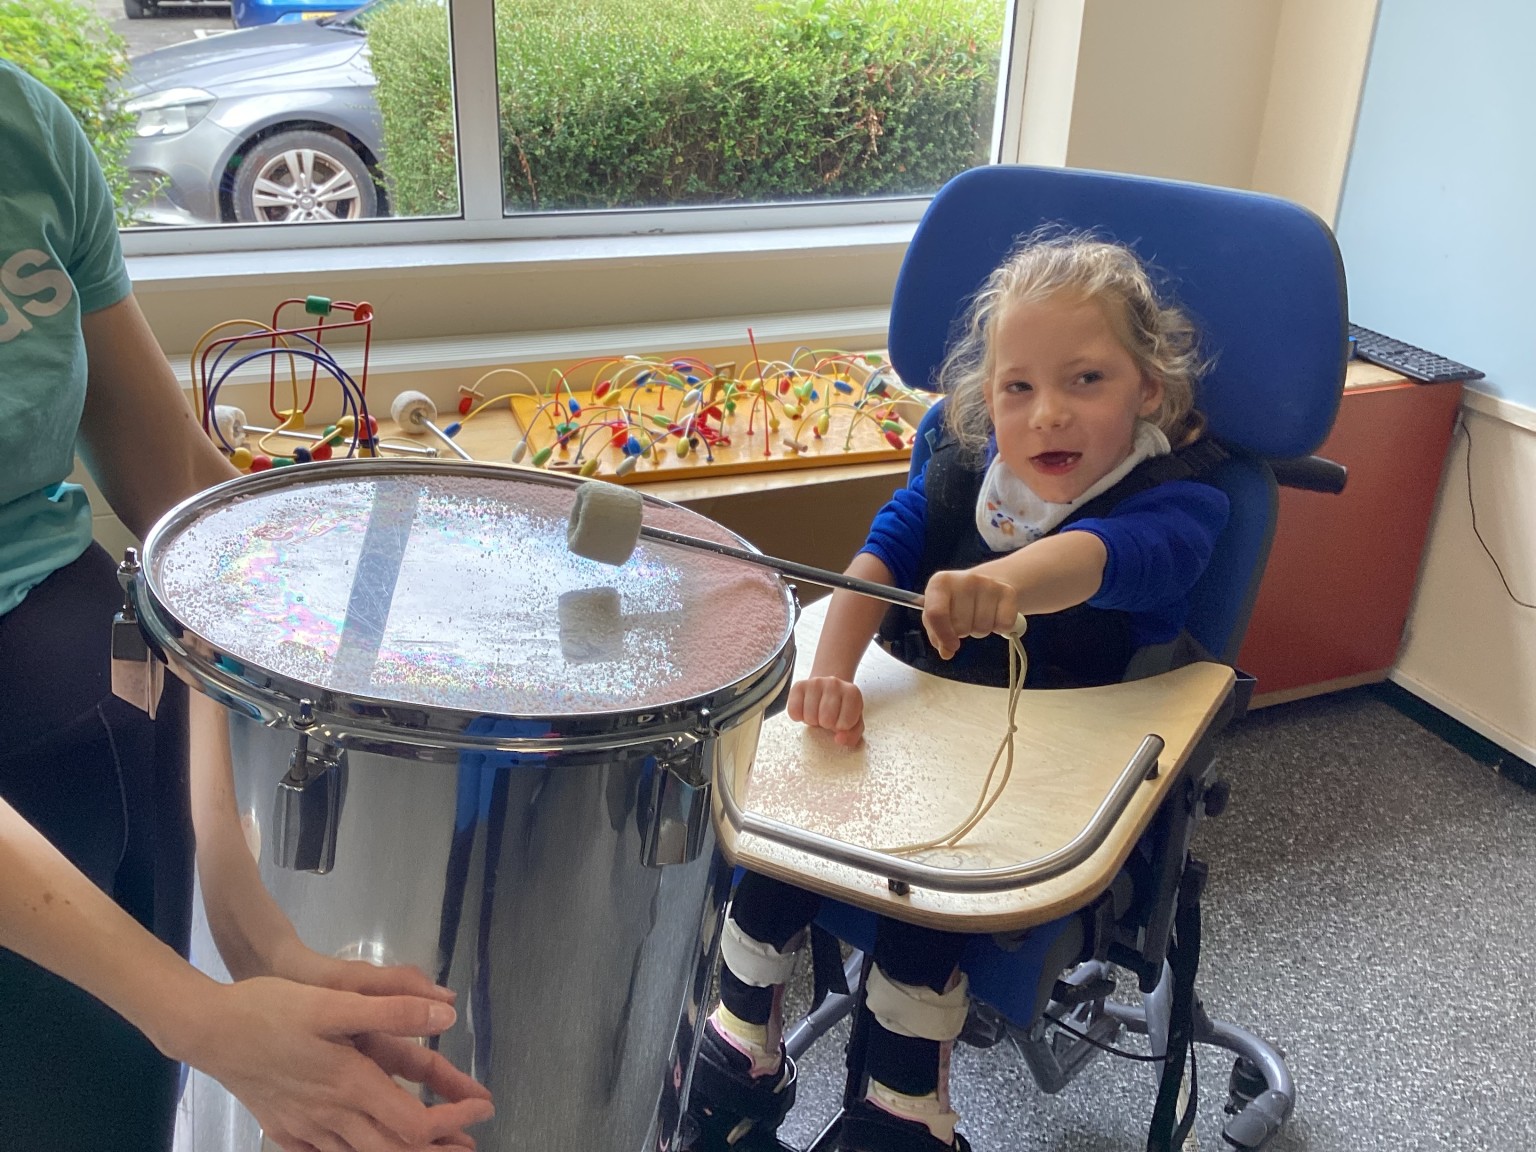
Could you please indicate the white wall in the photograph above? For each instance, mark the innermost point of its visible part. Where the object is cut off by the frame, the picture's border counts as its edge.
(1314, 91)
(1175, 88)
(1439, 240)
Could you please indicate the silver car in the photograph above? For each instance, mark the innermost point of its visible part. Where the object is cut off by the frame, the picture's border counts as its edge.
(268, 124)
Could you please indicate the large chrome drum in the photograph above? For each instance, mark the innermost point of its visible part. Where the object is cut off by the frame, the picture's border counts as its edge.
(461, 747)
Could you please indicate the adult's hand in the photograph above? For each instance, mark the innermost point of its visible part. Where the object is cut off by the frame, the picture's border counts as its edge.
(314, 1065)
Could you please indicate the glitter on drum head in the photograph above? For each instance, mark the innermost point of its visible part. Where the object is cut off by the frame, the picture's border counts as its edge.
(454, 597)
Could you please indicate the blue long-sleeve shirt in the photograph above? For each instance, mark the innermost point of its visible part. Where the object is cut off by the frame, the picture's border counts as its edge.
(1158, 543)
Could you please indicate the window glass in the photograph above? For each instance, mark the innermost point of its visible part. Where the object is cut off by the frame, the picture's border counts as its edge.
(298, 114)
(303, 113)
(623, 104)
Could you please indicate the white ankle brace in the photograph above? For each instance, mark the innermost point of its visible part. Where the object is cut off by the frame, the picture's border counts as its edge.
(753, 962)
(931, 1110)
(918, 1011)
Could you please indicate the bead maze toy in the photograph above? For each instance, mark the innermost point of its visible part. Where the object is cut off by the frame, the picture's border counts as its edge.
(216, 358)
(624, 418)
(634, 419)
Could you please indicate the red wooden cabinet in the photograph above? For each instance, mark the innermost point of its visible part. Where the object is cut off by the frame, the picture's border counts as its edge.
(1335, 597)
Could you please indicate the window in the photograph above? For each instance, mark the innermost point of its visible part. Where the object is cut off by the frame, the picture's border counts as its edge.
(563, 117)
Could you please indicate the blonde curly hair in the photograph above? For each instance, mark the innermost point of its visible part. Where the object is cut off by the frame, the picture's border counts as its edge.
(1051, 263)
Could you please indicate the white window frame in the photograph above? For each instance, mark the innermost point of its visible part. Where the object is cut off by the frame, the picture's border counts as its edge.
(719, 229)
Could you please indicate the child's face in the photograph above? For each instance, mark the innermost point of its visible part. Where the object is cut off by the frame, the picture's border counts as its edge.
(1064, 396)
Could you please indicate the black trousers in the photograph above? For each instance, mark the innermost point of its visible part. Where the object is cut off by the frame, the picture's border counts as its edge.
(773, 912)
(108, 788)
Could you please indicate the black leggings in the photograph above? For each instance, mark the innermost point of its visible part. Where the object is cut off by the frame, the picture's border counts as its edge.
(108, 788)
(773, 912)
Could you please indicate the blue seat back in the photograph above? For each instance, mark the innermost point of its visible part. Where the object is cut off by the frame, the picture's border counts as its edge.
(1261, 277)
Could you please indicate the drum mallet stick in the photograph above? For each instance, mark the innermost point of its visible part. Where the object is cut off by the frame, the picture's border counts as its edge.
(415, 412)
(607, 522)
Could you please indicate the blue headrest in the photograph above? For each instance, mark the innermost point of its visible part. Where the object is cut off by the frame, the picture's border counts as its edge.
(1260, 276)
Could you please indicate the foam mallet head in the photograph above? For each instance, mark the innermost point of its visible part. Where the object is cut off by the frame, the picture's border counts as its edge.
(605, 522)
(412, 411)
(231, 423)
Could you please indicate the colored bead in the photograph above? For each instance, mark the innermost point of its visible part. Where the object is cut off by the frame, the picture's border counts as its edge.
(626, 465)
(892, 426)
(241, 458)
(601, 389)
(319, 306)
(519, 451)
(574, 407)
(302, 456)
(682, 448)
(345, 425)
(260, 463)
(322, 451)
(631, 446)
(465, 404)
(281, 461)
(373, 427)
(591, 466)
(452, 429)
(541, 457)
(895, 440)
(842, 386)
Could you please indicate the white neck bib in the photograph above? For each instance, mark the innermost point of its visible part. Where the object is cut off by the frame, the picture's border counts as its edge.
(1009, 515)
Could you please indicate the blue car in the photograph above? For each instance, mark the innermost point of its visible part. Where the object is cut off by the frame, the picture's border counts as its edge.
(248, 13)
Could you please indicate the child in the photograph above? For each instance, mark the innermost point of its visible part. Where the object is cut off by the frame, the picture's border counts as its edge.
(1066, 487)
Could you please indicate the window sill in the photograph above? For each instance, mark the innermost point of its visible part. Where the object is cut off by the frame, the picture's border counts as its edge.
(438, 290)
(152, 272)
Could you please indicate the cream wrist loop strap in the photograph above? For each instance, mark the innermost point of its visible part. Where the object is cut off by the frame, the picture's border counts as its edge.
(1018, 669)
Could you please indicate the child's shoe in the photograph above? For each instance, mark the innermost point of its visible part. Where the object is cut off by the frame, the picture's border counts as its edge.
(735, 1111)
(867, 1128)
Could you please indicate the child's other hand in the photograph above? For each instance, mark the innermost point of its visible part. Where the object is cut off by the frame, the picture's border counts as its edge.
(966, 603)
(827, 702)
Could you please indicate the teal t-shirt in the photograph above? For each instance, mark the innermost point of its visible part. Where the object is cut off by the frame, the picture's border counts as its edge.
(59, 259)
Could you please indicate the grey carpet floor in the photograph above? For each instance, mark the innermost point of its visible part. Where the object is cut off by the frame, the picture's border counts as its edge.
(1370, 909)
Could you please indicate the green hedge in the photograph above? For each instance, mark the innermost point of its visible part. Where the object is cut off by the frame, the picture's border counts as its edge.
(628, 103)
(64, 44)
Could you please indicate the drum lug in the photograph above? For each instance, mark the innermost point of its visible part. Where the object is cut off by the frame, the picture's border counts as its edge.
(679, 806)
(137, 674)
(307, 808)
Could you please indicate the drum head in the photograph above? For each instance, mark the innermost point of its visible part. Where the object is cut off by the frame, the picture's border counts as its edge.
(451, 587)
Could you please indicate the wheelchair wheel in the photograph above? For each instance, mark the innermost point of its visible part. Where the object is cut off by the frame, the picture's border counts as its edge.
(1243, 1085)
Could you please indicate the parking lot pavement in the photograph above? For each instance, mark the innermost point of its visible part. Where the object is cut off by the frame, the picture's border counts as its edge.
(172, 24)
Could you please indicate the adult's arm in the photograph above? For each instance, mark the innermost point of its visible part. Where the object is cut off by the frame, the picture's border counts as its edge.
(138, 435)
(286, 1050)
